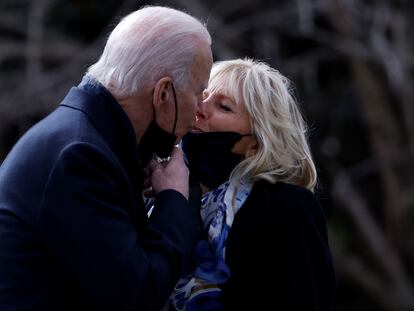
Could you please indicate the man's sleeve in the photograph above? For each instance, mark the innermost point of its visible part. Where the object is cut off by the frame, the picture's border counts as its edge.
(87, 230)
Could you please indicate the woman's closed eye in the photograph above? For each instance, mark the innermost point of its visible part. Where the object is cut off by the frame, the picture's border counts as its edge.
(225, 107)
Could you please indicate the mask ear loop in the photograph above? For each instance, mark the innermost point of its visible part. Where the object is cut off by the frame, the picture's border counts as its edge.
(176, 110)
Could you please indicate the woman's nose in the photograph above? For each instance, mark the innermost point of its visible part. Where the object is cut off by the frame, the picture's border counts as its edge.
(202, 112)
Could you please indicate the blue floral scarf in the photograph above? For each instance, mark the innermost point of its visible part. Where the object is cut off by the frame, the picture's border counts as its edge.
(200, 290)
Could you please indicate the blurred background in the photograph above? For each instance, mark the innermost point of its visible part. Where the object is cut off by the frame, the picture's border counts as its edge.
(352, 64)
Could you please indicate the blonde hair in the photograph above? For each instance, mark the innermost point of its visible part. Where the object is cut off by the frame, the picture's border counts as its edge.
(283, 152)
(146, 44)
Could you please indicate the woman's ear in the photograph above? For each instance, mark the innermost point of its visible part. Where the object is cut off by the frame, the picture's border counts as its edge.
(252, 148)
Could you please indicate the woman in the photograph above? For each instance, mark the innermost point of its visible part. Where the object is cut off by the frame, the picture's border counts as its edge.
(266, 245)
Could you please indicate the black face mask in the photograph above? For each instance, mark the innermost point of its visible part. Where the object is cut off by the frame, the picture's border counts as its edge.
(209, 156)
(157, 141)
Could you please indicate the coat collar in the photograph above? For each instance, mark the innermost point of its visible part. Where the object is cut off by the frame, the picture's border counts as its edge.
(108, 118)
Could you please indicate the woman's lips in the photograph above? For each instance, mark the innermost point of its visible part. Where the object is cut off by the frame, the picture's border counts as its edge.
(197, 130)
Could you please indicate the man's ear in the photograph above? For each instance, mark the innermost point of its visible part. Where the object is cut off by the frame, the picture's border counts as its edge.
(162, 92)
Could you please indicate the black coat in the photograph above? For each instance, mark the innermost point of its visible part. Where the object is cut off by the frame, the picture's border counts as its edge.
(278, 253)
(74, 234)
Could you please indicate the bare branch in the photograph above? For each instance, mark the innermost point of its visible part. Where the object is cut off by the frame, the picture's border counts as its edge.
(383, 252)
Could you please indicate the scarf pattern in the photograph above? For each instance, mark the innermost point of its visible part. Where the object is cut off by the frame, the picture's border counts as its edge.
(200, 290)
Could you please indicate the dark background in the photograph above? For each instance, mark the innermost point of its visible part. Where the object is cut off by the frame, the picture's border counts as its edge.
(352, 63)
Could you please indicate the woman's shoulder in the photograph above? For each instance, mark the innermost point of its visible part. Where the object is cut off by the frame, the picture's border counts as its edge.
(282, 192)
(282, 201)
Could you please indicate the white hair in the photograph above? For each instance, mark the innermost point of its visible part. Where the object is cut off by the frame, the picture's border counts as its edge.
(146, 45)
(283, 152)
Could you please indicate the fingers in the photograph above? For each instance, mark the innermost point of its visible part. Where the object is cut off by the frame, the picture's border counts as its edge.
(152, 165)
(176, 151)
(177, 158)
(171, 174)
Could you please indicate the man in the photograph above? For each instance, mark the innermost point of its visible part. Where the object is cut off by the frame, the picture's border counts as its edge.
(74, 233)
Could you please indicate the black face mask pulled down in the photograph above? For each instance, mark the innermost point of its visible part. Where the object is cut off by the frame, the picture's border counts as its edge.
(155, 140)
(209, 156)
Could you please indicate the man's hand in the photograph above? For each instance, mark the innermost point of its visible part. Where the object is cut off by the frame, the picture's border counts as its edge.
(172, 174)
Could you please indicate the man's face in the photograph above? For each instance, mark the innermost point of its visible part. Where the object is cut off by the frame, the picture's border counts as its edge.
(190, 96)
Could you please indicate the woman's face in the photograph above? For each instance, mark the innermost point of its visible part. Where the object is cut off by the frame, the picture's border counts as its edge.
(219, 113)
